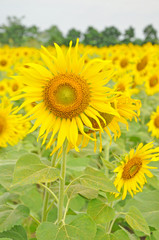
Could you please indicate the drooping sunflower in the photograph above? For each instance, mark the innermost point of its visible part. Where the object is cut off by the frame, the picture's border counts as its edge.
(153, 124)
(13, 127)
(67, 95)
(127, 109)
(131, 172)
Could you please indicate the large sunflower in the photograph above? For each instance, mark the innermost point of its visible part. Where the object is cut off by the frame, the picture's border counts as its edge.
(12, 127)
(131, 172)
(153, 124)
(67, 96)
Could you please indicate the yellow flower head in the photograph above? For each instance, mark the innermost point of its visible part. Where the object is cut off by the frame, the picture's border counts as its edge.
(131, 172)
(12, 127)
(67, 96)
(153, 124)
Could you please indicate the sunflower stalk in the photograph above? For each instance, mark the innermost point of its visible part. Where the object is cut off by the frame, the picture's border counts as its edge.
(46, 192)
(62, 184)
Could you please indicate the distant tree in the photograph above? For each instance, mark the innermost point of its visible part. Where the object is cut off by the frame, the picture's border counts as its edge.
(72, 34)
(110, 36)
(53, 34)
(129, 35)
(150, 34)
(13, 32)
(92, 37)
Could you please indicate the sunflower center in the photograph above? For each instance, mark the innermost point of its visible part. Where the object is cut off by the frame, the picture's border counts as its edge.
(123, 62)
(2, 124)
(1, 88)
(156, 122)
(67, 95)
(131, 168)
(15, 87)
(121, 87)
(153, 81)
(3, 63)
(142, 64)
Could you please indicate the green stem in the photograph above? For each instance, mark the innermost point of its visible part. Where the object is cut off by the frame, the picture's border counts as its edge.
(47, 191)
(106, 154)
(45, 203)
(62, 183)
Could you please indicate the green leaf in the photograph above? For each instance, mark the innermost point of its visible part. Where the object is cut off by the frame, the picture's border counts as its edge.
(120, 234)
(10, 217)
(86, 192)
(32, 199)
(82, 228)
(101, 235)
(100, 212)
(6, 173)
(97, 180)
(46, 230)
(148, 204)
(77, 203)
(16, 233)
(135, 219)
(7, 196)
(6, 239)
(29, 169)
(77, 164)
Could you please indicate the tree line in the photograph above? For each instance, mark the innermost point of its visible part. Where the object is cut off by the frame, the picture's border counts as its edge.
(15, 33)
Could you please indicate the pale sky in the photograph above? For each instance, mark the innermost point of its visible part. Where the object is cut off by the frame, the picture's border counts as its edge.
(67, 14)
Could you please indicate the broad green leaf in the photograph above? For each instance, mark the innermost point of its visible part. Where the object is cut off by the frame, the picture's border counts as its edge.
(7, 196)
(148, 204)
(120, 235)
(29, 169)
(6, 173)
(77, 164)
(32, 199)
(86, 192)
(97, 180)
(16, 233)
(82, 228)
(5, 239)
(46, 230)
(101, 235)
(77, 203)
(135, 219)
(131, 236)
(10, 217)
(100, 212)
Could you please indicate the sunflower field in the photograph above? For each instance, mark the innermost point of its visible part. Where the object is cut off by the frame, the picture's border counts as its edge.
(79, 142)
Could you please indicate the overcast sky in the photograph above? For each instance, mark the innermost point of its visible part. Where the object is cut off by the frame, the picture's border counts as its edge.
(67, 14)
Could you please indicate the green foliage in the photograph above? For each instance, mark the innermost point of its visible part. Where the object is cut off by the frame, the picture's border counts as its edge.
(81, 228)
(100, 212)
(16, 233)
(135, 219)
(10, 217)
(29, 169)
(15, 33)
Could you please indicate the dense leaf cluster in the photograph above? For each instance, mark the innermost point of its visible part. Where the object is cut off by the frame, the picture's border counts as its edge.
(15, 33)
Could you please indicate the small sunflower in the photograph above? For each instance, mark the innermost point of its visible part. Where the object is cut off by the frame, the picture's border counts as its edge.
(12, 127)
(67, 95)
(131, 172)
(153, 124)
(152, 83)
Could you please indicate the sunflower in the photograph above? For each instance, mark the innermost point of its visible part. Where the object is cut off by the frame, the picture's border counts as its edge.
(12, 127)
(67, 95)
(131, 172)
(153, 124)
(152, 83)
(127, 109)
